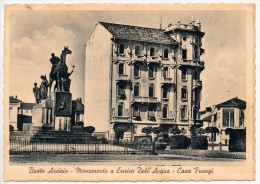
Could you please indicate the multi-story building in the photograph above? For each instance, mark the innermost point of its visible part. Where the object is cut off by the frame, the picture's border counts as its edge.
(139, 77)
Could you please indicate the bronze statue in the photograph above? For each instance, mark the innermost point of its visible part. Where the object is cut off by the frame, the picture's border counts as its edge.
(59, 70)
(67, 81)
(44, 88)
(36, 92)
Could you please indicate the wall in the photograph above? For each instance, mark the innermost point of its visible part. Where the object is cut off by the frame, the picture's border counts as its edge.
(97, 79)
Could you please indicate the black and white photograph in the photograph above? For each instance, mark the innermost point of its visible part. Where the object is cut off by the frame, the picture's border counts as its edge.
(114, 90)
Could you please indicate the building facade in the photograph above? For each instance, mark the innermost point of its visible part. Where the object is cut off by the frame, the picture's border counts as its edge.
(139, 77)
(229, 114)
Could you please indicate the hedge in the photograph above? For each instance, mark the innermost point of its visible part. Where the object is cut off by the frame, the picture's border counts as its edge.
(237, 141)
(200, 142)
(179, 142)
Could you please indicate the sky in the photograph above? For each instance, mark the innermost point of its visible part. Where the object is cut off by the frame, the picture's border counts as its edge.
(35, 35)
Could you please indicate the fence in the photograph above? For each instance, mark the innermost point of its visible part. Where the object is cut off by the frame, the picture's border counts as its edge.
(28, 147)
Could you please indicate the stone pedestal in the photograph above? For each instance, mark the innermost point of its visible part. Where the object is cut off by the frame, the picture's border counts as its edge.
(62, 110)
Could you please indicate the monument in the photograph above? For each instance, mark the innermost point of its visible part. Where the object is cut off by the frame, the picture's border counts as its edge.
(54, 108)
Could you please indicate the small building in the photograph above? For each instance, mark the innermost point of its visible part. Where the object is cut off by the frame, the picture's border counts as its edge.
(77, 111)
(229, 114)
(20, 113)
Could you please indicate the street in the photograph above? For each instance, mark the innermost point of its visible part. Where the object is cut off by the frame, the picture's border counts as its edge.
(119, 159)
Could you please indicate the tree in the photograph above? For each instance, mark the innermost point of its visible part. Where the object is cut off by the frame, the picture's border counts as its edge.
(212, 131)
(200, 131)
(89, 129)
(175, 131)
(228, 131)
(147, 130)
(157, 130)
(119, 130)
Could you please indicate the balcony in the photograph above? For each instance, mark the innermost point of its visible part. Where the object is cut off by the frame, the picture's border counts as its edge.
(166, 80)
(121, 119)
(122, 77)
(167, 120)
(140, 99)
(197, 83)
(192, 63)
(153, 59)
(138, 58)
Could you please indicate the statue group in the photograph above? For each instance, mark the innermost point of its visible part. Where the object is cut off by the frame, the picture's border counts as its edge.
(59, 74)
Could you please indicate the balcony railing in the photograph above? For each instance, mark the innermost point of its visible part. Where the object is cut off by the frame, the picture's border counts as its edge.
(191, 63)
(153, 59)
(167, 120)
(197, 83)
(121, 119)
(138, 58)
(166, 80)
(122, 77)
(140, 99)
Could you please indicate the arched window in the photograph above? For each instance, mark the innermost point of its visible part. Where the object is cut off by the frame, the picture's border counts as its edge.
(165, 53)
(152, 51)
(121, 49)
(137, 50)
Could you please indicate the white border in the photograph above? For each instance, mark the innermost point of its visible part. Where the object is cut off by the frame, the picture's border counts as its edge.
(257, 2)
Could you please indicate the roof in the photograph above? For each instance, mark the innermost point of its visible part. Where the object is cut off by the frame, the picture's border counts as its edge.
(130, 32)
(14, 99)
(27, 105)
(234, 102)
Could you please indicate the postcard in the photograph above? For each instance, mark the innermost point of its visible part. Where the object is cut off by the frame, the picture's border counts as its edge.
(129, 92)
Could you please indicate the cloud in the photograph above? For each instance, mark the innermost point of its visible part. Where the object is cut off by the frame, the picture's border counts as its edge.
(30, 57)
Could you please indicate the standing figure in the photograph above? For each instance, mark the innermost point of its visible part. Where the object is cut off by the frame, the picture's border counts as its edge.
(36, 92)
(67, 81)
(44, 88)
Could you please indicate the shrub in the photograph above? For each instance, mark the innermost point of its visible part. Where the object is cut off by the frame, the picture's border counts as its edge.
(179, 142)
(147, 130)
(120, 129)
(200, 131)
(175, 131)
(237, 141)
(161, 146)
(89, 129)
(199, 143)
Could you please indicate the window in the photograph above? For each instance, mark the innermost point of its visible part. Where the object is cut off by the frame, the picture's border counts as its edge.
(183, 112)
(77, 117)
(136, 70)
(121, 68)
(121, 90)
(136, 112)
(184, 54)
(152, 51)
(151, 115)
(151, 90)
(241, 118)
(184, 74)
(151, 71)
(166, 72)
(196, 75)
(121, 49)
(196, 52)
(184, 93)
(228, 118)
(165, 54)
(136, 89)
(165, 111)
(165, 92)
(137, 50)
(120, 109)
(184, 38)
